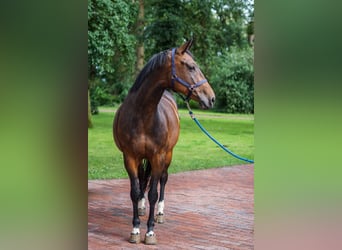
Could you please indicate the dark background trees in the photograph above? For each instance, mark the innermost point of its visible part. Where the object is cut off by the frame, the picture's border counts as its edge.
(123, 34)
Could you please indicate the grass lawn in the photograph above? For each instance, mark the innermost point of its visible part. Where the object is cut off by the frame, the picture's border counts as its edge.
(193, 151)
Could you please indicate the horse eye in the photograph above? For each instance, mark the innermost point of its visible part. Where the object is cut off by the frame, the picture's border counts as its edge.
(190, 67)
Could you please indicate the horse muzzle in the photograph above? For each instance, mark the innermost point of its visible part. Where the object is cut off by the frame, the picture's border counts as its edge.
(206, 102)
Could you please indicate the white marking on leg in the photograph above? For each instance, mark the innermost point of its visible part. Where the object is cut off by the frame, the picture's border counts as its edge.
(150, 233)
(141, 203)
(161, 207)
(135, 230)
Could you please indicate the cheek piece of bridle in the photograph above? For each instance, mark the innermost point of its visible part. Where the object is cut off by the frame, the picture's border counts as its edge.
(174, 78)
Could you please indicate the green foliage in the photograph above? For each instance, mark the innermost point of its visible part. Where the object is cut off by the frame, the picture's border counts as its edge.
(193, 150)
(101, 94)
(111, 49)
(215, 26)
(250, 28)
(99, 97)
(233, 81)
(109, 24)
(164, 25)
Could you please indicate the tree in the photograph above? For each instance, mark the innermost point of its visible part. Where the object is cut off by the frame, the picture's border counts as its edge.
(109, 36)
(165, 27)
(90, 122)
(140, 25)
(111, 45)
(233, 80)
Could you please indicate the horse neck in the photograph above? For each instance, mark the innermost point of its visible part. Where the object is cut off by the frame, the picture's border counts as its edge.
(149, 94)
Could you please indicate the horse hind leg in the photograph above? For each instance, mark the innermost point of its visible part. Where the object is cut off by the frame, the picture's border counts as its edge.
(144, 173)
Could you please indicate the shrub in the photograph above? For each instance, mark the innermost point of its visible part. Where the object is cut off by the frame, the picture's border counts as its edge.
(232, 77)
(99, 95)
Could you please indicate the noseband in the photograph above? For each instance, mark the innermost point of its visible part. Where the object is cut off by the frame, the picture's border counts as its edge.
(174, 78)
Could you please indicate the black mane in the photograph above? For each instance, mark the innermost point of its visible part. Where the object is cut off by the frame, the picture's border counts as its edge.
(154, 63)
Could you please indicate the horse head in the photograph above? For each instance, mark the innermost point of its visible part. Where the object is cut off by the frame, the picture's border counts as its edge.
(188, 79)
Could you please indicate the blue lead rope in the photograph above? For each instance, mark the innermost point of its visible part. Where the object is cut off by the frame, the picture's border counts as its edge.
(213, 139)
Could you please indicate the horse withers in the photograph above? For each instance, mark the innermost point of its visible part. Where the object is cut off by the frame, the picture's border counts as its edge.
(146, 127)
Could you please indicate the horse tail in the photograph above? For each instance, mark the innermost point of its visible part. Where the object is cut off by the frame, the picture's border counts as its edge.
(144, 175)
(147, 172)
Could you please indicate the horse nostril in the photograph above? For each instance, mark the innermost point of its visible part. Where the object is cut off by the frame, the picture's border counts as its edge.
(213, 99)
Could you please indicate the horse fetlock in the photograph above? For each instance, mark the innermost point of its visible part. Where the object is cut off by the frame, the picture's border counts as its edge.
(142, 211)
(161, 207)
(142, 207)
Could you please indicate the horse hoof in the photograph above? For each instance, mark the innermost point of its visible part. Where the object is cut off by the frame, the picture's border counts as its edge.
(134, 238)
(159, 218)
(141, 211)
(150, 239)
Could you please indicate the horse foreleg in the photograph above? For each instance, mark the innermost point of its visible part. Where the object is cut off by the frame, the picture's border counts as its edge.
(135, 193)
(150, 237)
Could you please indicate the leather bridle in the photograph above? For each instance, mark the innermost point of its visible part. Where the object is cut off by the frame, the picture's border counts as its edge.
(174, 78)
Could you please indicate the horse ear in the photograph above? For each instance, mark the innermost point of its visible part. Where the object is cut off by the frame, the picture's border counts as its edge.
(186, 46)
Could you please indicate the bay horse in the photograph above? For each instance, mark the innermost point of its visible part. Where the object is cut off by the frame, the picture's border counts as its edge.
(146, 127)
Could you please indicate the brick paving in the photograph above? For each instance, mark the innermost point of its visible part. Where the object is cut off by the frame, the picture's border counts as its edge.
(204, 209)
